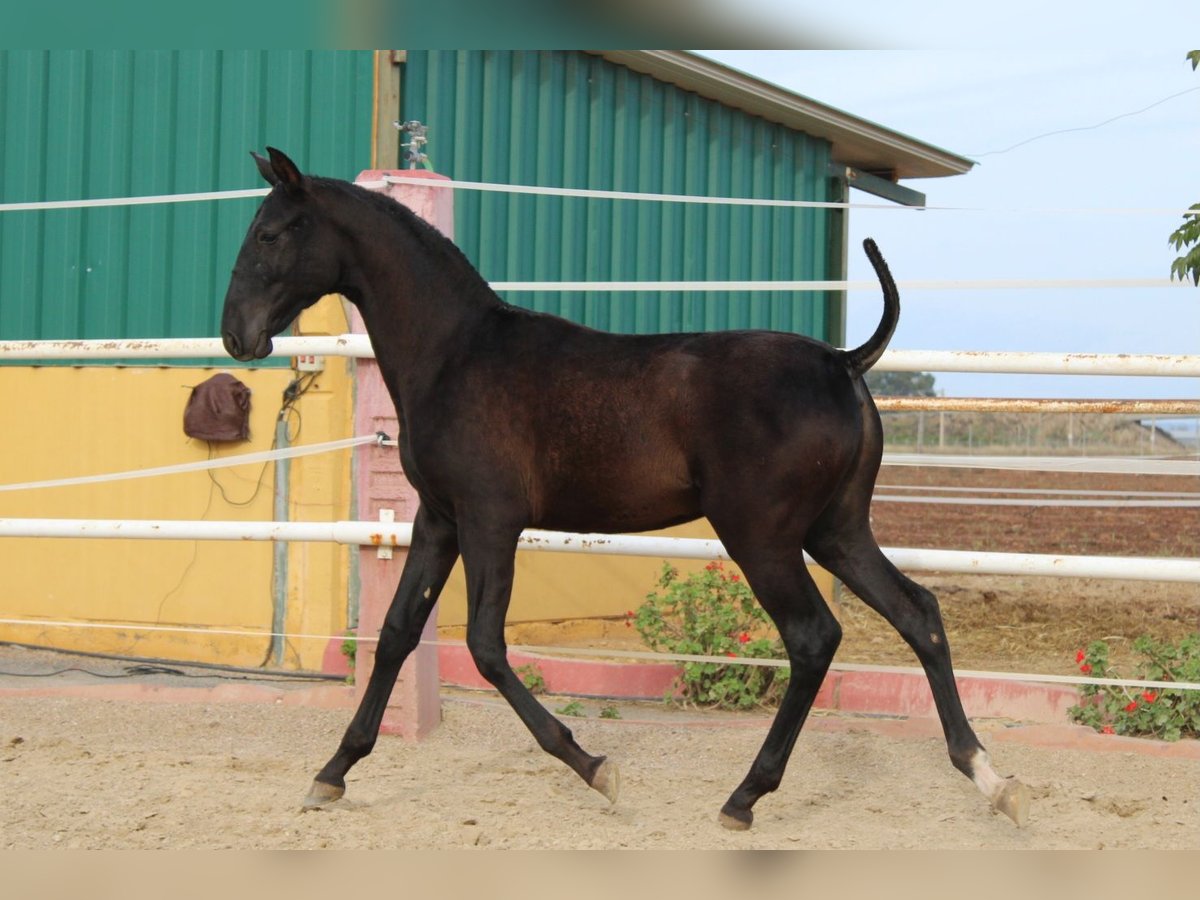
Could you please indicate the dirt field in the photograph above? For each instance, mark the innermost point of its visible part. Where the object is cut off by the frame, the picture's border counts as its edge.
(104, 774)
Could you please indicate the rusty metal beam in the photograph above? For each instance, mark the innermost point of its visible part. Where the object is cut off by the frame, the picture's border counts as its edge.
(1023, 405)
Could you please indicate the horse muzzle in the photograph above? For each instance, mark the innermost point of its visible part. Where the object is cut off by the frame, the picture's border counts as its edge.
(244, 351)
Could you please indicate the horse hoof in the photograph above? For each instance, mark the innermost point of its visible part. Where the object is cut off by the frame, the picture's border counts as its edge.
(607, 780)
(736, 822)
(321, 794)
(1013, 801)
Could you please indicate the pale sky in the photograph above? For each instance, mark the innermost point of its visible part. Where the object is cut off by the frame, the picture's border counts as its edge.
(974, 102)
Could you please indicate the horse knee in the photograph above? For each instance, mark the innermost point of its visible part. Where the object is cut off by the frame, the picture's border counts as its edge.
(395, 644)
(811, 646)
(832, 635)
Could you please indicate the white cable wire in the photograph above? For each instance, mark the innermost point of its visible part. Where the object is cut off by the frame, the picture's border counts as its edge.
(951, 284)
(239, 460)
(596, 194)
(614, 653)
(1048, 503)
(1046, 497)
(1065, 492)
(133, 201)
(44, 205)
(1116, 465)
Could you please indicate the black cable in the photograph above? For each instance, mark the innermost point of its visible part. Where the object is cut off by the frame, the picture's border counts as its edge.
(145, 665)
(1046, 134)
(63, 672)
(296, 388)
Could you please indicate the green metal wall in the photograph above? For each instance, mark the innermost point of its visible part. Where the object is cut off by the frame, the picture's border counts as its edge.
(93, 124)
(566, 118)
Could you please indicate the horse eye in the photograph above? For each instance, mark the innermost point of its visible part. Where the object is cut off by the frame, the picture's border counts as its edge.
(266, 238)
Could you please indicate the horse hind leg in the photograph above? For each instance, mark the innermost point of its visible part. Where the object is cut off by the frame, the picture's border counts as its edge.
(811, 635)
(854, 557)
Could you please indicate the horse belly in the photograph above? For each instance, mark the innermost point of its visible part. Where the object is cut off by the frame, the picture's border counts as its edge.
(614, 502)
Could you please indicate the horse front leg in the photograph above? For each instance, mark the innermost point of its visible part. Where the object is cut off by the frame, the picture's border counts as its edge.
(488, 558)
(431, 556)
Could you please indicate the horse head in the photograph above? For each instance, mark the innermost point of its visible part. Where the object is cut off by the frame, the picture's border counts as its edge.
(289, 259)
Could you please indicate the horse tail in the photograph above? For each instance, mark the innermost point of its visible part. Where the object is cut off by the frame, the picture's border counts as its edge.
(862, 358)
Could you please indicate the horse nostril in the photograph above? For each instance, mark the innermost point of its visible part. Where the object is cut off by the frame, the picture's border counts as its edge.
(232, 345)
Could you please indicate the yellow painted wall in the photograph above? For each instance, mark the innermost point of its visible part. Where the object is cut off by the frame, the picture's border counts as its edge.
(61, 421)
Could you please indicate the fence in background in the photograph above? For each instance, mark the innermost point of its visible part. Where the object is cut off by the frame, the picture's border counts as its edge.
(382, 534)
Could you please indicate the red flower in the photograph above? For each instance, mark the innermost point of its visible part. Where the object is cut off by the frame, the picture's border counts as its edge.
(1085, 669)
(1107, 729)
(743, 638)
(1080, 656)
(715, 566)
(1149, 696)
(735, 577)
(731, 653)
(1131, 706)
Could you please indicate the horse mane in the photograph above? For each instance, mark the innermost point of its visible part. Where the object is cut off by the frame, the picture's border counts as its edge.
(430, 239)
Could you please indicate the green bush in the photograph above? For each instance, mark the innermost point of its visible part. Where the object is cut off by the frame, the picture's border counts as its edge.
(531, 676)
(713, 613)
(350, 651)
(1166, 714)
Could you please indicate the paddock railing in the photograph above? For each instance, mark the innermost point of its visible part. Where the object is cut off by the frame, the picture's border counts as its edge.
(359, 346)
(399, 534)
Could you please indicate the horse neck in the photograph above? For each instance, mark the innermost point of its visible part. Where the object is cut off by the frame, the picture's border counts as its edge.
(418, 295)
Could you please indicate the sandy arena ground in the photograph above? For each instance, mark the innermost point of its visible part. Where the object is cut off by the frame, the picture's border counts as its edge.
(87, 773)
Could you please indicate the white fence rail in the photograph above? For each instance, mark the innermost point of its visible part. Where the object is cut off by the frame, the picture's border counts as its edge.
(399, 534)
(359, 346)
(364, 533)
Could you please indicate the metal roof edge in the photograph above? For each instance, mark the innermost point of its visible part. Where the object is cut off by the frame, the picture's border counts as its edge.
(856, 142)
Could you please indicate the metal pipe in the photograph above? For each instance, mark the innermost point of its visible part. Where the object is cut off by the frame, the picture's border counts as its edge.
(1024, 405)
(399, 534)
(359, 345)
(1125, 465)
(353, 345)
(1023, 363)
(279, 560)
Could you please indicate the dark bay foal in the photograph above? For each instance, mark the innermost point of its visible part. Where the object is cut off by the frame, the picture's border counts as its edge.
(511, 419)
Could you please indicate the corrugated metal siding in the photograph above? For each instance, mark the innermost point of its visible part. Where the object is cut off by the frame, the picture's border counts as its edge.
(92, 124)
(566, 118)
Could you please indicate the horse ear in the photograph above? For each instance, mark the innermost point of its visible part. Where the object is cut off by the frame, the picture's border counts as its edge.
(264, 169)
(285, 170)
